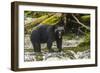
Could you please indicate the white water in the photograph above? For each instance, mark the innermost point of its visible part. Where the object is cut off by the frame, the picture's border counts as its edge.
(30, 56)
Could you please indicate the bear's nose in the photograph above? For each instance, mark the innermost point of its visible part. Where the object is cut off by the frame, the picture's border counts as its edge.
(59, 34)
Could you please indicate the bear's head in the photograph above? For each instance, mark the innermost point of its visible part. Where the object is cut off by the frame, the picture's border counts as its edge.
(59, 31)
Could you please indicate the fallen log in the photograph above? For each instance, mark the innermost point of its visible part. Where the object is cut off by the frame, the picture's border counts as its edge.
(35, 22)
(52, 20)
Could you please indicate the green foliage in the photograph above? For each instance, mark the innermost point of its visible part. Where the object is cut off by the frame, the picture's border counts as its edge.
(82, 46)
(69, 36)
(87, 37)
(33, 14)
(86, 40)
(28, 13)
(85, 18)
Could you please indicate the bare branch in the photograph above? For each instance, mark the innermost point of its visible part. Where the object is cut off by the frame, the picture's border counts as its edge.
(80, 22)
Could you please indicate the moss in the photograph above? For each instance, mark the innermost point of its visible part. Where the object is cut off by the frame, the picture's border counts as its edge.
(69, 36)
(33, 14)
(82, 46)
(28, 50)
(39, 57)
(85, 18)
(51, 20)
(77, 49)
(30, 26)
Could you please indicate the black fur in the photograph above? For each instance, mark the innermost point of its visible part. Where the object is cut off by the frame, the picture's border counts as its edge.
(47, 34)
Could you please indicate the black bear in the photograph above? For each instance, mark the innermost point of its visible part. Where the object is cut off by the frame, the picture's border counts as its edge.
(47, 34)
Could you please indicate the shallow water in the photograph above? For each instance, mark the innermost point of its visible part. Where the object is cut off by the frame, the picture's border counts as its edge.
(69, 55)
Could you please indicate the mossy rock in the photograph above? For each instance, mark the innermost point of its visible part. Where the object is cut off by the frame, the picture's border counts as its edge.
(39, 56)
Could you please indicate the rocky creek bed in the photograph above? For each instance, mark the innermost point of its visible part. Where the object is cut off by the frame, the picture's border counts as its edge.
(69, 55)
(30, 56)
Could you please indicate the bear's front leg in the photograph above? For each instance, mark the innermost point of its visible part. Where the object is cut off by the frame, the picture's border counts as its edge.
(59, 44)
(37, 47)
(49, 45)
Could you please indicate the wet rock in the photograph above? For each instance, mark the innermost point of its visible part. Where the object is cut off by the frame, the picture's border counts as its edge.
(27, 42)
(84, 55)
